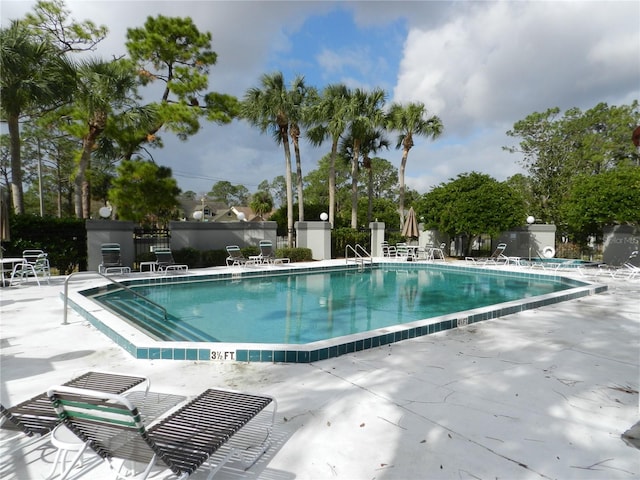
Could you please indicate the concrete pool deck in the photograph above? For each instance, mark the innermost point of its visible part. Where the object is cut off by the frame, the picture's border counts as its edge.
(545, 393)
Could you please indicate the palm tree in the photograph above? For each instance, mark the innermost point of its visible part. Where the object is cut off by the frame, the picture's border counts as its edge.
(372, 144)
(410, 120)
(103, 87)
(329, 117)
(261, 203)
(35, 77)
(299, 94)
(364, 113)
(269, 108)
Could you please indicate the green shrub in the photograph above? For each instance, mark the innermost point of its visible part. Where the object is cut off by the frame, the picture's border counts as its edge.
(213, 258)
(189, 256)
(568, 250)
(341, 237)
(395, 237)
(145, 257)
(250, 251)
(295, 254)
(63, 239)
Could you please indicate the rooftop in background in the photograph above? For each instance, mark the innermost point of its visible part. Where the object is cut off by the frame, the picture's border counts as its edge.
(216, 211)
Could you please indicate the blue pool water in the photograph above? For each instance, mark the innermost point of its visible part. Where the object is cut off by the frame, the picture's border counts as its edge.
(565, 261)
(305, 308)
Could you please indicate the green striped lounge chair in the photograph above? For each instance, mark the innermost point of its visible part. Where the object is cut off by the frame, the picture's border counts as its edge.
(236, 257)
(35, 417)
(111, 262)
(268, 254)
(166, 263)
(184, 441)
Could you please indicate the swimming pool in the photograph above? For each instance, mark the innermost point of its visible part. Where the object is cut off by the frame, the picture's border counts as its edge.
(560, 262)
(405, 322)
(304, 308)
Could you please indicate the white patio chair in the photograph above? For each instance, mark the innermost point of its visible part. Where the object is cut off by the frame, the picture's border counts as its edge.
(39, 268)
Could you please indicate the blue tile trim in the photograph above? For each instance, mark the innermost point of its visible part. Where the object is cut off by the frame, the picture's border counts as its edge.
(179, 354)
(192, 354)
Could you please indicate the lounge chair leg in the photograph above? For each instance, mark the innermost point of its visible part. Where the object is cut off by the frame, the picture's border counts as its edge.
(262, 449)
(249, 461)
(215, 469)
(130, 471)
(55, 464)
(73, 462)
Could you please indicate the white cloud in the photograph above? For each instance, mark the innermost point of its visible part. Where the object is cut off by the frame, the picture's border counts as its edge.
(480, 66)
(433, 162)
(333, 62)
(501, 61)
(488, 65)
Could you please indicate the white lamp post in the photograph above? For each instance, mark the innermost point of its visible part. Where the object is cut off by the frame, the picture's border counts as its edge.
(530, 220)
(324, 217)
(105, 212)
(199, 214)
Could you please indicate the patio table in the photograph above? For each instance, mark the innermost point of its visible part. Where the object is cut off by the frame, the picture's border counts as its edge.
(12, 261)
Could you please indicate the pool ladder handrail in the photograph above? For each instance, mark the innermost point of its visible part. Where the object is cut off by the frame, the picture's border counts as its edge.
(121, 285)
(357, 256)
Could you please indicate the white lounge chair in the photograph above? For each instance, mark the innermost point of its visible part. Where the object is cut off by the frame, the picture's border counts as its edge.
(111, 262)
(497, 257)
(166, 263)
(235, 257)
(628, 268)
(268, 254)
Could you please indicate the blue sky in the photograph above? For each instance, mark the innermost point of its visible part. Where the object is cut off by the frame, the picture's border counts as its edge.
(332, 48)
(479, 65)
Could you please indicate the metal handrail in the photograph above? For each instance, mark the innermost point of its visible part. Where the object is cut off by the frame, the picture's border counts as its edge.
(358, 258)
(366, 254)
(124, 287)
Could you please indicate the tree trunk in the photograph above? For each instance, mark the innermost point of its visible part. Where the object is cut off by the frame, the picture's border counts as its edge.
(370, 193)
(332, 182)
(83, 165)
(83, 196)
(295, 135)
(288, 182)
(16, 164)
(86, 198)
(403, 165)
(354, 185)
